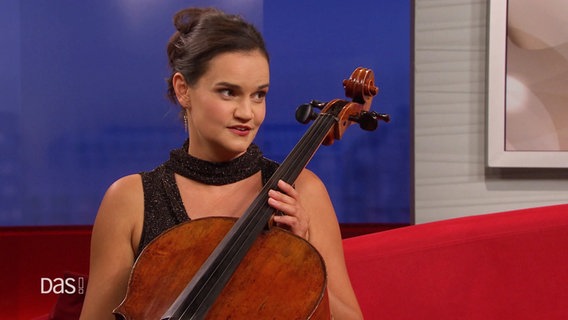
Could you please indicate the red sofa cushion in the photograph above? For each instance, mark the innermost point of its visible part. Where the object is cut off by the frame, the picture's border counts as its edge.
(510, 265)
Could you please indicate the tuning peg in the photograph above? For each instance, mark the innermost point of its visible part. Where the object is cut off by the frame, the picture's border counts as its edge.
(317, 104)
(382, 116)
(369, 121)
(305, 112)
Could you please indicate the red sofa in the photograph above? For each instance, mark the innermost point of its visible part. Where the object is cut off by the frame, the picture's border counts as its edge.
(508, 265)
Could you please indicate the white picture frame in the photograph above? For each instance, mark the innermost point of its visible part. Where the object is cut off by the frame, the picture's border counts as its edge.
(499, 153)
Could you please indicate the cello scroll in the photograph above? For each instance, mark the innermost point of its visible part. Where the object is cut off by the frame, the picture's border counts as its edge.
(360, 87)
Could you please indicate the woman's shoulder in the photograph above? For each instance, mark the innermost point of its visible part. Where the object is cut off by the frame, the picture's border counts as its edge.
(124, 197)
(308, 177)
(309, 182)
(121, 211)
(125, 186)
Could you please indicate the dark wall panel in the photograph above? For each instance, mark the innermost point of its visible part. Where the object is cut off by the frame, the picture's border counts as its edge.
(83, 100)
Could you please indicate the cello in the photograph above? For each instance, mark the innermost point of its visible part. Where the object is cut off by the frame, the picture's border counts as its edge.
(221, 268)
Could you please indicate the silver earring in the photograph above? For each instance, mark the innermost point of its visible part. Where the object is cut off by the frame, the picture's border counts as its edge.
(185, 122)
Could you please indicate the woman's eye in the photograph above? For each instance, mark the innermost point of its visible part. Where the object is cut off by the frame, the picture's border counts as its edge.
(226, 92)
(259, 96)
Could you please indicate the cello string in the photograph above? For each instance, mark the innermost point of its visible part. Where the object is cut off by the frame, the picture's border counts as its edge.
(290, 167)
(299, 157)
(260, 213)
(258, 216)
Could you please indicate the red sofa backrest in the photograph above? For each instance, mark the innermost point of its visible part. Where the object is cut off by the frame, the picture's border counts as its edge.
(511, 265)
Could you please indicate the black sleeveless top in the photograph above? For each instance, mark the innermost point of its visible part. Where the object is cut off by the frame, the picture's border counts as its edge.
(163, 206)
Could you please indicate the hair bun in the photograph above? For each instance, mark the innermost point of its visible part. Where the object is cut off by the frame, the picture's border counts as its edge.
(186, 20)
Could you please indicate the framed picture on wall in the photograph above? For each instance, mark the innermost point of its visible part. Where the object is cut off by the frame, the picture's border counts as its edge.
(527, 93)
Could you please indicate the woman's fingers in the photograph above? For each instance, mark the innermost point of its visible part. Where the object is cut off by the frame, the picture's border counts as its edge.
(288, 202)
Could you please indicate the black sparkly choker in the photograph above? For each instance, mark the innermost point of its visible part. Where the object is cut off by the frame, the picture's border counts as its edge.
(215, 173)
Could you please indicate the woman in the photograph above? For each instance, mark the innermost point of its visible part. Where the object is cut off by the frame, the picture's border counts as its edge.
(220, 77)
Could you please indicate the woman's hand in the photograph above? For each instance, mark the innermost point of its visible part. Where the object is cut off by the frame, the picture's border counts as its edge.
(287, 201)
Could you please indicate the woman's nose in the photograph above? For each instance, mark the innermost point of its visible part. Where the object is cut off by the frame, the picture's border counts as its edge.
(244, 110)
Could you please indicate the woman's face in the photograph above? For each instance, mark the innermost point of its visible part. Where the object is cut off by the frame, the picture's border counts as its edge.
(227, 105)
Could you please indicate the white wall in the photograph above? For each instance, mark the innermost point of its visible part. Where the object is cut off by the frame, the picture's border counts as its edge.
(451, 179)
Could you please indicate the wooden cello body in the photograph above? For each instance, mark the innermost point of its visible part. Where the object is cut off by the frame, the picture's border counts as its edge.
(225, 268)
(279, 263)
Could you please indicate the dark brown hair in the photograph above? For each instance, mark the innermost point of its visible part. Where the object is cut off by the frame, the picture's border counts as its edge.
(202, 34)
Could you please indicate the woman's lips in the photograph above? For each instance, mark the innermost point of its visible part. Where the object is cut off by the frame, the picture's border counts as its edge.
(240, 130)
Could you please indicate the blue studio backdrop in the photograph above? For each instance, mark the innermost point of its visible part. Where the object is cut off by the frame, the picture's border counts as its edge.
(82, 99)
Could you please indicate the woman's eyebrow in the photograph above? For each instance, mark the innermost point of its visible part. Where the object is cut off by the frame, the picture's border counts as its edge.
(263, 86)
(237, 87)
(228, 85)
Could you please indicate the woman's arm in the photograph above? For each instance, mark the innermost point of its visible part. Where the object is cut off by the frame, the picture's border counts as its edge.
(115, 237)
(309, 213)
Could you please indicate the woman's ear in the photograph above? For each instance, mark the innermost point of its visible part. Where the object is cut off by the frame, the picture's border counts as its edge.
(181, 89)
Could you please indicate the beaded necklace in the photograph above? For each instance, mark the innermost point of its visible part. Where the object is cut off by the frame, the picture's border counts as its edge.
(215, 173)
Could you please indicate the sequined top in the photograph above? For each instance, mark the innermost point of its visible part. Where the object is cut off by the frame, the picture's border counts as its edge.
(163, 206)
